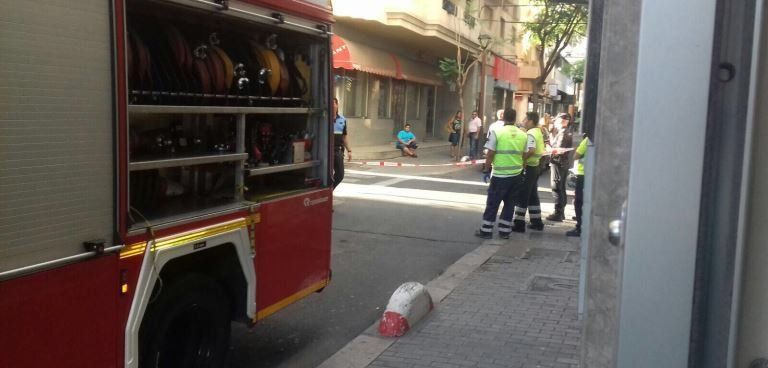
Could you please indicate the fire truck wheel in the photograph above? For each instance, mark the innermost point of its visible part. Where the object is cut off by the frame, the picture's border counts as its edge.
(188, 325)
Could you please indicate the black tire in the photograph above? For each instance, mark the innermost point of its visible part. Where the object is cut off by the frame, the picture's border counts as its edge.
(187, 326)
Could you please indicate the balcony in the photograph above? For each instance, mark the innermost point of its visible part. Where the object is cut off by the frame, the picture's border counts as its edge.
(434, 18)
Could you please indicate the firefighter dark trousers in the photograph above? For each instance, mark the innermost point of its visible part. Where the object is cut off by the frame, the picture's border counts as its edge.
(529, 198)
(338, 166)
(505, 190)
(559, 176)
(578, 200)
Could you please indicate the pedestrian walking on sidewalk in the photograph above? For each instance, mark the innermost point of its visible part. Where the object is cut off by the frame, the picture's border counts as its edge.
(474, 130)
(505, 157)
(529, 196)
(453, 127)
(578, 200)
(340, 143)
(559, 165)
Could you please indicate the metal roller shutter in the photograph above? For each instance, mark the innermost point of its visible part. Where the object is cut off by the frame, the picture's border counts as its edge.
(56, 129)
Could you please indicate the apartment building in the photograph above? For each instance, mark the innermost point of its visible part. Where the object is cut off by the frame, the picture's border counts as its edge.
(386, 57)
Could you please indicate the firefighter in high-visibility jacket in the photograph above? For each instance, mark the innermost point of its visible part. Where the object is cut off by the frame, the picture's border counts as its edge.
(506, 146)
(529, 196)
(578, 199)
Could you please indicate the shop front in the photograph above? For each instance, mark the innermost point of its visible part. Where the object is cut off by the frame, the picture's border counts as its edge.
(379, 91)
(506, 76)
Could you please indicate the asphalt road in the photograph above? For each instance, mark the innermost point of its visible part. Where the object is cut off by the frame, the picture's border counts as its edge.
(391, 225)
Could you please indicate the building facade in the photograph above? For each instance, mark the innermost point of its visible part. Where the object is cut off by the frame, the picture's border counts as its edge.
(386, 57)
(558, 92)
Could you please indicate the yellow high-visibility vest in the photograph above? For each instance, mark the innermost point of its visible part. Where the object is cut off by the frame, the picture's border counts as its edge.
(536, 158)
(510, 145)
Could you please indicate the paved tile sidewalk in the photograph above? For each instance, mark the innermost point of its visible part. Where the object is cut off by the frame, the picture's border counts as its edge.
(519, 309)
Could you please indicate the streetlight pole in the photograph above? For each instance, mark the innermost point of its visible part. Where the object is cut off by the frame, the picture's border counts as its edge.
(485, 41)
(481, 106)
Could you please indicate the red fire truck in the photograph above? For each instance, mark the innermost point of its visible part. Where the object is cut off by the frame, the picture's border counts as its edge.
(164, 171)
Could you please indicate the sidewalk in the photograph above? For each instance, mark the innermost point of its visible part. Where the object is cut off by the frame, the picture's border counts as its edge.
(516, 309)
(388, 151)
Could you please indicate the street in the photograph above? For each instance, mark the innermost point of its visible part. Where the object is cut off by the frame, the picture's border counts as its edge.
(391, 225)
(295, 183)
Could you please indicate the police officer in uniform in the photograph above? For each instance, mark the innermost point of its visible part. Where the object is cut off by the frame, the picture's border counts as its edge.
(561, 162)
(339, 144)
(506, 146)
(529, 196)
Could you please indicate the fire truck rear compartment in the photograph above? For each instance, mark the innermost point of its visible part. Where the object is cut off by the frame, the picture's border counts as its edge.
(221, 112)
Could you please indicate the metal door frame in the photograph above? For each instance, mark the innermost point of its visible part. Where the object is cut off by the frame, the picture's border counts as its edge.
(722, 183)
(665, 182)
(760, 27)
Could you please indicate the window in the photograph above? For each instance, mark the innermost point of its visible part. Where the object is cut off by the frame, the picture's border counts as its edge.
(412, 101)
(486, 17)
(502, 29)
(350, 88)
(513, 36)
(449, 7)
(468, 18)
(378, 97)
(384, 89)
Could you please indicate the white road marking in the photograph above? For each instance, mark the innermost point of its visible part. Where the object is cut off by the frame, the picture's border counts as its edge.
(363, 174)
(413, 177)
(421, 197)
(390, 182)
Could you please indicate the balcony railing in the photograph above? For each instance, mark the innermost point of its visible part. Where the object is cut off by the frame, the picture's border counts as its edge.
(449, 7)
(469, 20)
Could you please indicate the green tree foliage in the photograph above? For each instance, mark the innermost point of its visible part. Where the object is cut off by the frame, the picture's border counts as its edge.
(448, 70)
(555, 27)
(576, 71)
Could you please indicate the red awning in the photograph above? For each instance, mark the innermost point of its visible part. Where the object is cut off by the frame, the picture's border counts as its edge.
(504, 70)
(351, 55)
(354, 56)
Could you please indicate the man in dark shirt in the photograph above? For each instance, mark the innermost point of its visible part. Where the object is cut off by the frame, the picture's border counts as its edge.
(339, 144)
(561, 138)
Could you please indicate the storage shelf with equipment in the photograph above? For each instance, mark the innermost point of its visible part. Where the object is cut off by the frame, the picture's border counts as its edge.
(165, 109)
(220, 115)
(280, 168)
(186, 161)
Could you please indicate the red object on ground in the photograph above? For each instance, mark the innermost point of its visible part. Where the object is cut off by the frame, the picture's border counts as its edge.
(393, 325)
(408, 304)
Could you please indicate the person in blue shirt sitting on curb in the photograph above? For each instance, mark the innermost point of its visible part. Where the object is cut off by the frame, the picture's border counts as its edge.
(406, 142)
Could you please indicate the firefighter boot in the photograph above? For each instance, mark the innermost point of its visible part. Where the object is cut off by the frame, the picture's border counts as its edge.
(557, 217)
(576, 232)
(536, 225)
(483, 234)
(519, 226)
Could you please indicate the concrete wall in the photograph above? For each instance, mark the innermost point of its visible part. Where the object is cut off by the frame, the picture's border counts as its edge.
(375, 132)
(370, 132)
(608, 181)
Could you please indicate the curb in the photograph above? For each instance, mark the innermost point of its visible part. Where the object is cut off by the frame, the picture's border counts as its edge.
(367, 346)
